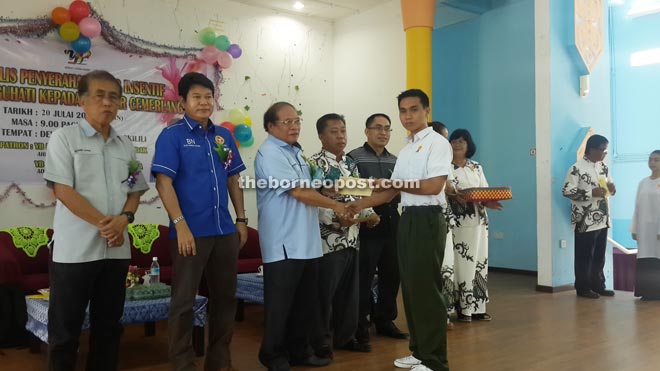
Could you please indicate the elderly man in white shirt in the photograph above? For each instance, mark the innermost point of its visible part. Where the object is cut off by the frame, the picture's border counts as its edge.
(97, 182)
(420, 175)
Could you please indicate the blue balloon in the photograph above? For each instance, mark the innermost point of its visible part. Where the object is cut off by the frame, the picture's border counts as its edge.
(243, 133)
(81, 45)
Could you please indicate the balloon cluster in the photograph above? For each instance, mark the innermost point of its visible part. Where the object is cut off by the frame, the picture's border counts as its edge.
(240, 126)
(76, 26)
(218, 48)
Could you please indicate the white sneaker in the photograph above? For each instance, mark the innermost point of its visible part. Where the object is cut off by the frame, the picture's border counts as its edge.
(420, 367)
(408, 362)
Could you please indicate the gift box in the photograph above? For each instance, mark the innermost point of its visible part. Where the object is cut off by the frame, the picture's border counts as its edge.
(482, 194)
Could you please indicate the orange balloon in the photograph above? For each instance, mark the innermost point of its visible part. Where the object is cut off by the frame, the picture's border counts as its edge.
(60, 15)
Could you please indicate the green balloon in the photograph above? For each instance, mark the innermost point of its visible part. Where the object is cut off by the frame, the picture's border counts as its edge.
(222, 43)
(248, 142)
(207, 36)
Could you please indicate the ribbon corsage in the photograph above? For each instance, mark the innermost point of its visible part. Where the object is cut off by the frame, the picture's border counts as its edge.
(225, 153)
(134, 169)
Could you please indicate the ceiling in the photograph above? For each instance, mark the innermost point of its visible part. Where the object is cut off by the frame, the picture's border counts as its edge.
(329, 10)
(447, 11)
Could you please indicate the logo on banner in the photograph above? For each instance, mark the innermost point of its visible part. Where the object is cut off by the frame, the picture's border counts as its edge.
(76, 58)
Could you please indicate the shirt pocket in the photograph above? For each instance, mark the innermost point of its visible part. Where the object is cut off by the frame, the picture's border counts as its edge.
(302, 169)
(195, 159)
(417, 166)
(87, 165)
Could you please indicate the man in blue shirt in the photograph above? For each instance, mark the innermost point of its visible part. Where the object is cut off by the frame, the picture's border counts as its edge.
(290, 241)
(196, 164)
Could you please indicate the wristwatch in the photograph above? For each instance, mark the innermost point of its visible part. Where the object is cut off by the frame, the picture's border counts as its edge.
(242, 220)
(130, 215)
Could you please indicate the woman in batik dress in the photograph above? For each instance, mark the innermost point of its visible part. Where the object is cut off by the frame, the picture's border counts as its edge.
(471, 230)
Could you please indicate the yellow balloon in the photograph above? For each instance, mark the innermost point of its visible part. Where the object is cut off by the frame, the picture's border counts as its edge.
(248, 121)
(236, 116)
(69, 31)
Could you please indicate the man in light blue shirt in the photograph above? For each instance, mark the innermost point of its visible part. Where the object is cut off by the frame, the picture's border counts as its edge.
(290, 241)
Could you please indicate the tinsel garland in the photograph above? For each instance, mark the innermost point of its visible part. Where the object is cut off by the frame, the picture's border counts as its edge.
(41, 26)
(27, 200)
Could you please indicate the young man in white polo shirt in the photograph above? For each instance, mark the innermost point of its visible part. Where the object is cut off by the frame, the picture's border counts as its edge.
(420, 174)
(87, 166)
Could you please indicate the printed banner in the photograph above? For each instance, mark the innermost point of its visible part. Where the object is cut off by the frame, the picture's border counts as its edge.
(38, 83)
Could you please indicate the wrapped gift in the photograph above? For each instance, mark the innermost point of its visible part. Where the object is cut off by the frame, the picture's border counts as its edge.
(482, 194)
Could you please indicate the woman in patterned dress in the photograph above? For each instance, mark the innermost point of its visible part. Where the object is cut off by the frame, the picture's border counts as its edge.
(471, 230)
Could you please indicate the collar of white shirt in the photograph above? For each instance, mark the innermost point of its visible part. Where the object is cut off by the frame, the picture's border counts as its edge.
(420, 135)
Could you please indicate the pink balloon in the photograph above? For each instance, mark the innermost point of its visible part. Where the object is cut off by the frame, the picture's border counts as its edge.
(90, 27)
(210, 54)
(224, 59)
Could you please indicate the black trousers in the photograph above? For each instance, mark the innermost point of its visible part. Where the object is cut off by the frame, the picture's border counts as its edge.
(217, 258)
(102, 285)
(338, 299)
(290, 307)
(378, 254)
(590, 260)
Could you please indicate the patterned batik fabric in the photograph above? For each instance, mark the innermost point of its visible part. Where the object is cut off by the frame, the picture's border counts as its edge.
(144, 236)
(29, 239)
(470, 234)
(588, 213)
(335, 237)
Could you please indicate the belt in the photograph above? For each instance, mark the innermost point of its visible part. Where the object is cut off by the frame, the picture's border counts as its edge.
(432, 208)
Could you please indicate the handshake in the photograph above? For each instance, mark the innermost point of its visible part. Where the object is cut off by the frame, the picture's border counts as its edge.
(346, 213)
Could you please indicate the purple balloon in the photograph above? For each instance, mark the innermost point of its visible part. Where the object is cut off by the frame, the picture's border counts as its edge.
(235, 50)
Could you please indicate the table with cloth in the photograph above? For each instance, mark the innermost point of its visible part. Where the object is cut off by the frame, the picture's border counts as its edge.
(135, 311)
(249, 288)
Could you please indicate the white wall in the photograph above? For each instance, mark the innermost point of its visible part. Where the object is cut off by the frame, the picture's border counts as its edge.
(370, 62)
(354, 67)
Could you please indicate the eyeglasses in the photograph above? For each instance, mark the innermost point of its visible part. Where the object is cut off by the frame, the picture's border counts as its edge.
(382, 129)
(291, 122)
(112, 97)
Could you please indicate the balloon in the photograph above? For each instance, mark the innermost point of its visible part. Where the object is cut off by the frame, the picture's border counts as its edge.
(235, 51)
(224, 59)
(78, 10)
(81, 45)
(229, 126)
(90, 27)
(210, 54)
(60, 15)
(207, 36)
(236, 115)
(243, 132)
(248, 142)
(238, 144)
(69, 31)
(222, 42)
(247, 121)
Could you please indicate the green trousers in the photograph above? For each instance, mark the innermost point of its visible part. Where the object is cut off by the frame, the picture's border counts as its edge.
(421, 242)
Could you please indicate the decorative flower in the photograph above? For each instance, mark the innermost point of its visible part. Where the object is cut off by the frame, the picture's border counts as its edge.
(134, 275)
(314, 170)
(134, 169)
(225, 153)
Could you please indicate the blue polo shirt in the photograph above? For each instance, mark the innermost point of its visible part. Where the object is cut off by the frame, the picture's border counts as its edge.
(288, 228)
(185, 152)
